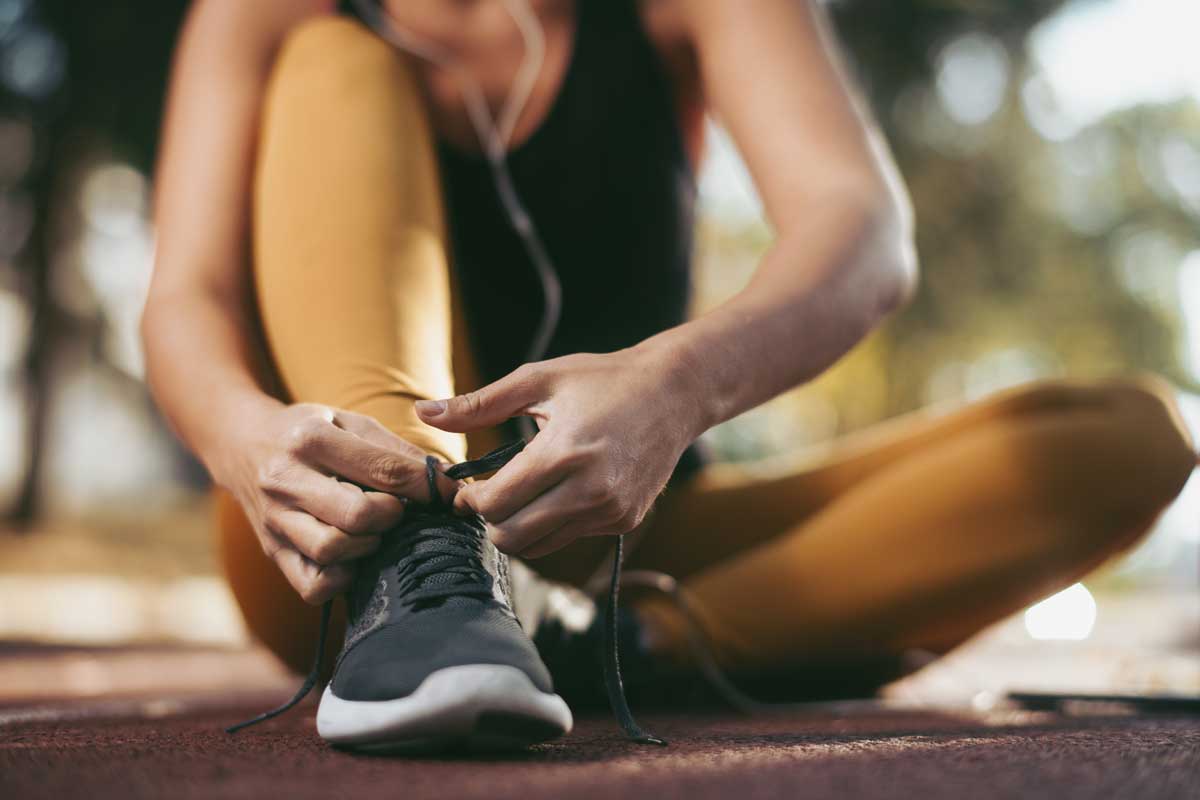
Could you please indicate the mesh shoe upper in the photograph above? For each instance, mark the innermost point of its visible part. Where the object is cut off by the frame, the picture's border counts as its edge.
(435, 595)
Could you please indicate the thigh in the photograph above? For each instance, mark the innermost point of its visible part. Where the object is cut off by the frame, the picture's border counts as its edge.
(351, 259)
(728, 509)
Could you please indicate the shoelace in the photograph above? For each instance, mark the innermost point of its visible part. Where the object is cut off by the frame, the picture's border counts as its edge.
(453, 549)
(459, 555)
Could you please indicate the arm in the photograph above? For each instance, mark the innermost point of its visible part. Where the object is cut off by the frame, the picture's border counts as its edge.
(842, 258)
(206, 364)
(613, 426)
(198, 326)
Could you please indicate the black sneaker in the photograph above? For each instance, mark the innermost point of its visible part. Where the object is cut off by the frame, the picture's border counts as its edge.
(434, 656)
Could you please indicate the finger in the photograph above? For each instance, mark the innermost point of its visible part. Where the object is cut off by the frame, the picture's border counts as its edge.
(337, 503)
(375, 432)
(568, 534)
(315, 584)
(491, 405)
(348, 456)
(518, 483)
(539, 519)
(319, 542)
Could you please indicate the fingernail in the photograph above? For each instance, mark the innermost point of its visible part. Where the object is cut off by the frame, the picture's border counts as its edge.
(431, 408)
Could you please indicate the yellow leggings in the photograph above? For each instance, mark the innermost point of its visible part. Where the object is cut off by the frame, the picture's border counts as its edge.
(913, 534)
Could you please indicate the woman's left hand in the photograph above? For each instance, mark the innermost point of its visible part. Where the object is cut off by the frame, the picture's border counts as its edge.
(611, 429)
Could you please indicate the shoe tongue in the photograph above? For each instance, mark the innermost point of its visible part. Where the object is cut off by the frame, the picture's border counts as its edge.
(430, 546)
(427, 550)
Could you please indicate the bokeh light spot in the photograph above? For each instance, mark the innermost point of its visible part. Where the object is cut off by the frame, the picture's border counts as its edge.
(1069, 615)
(972, 77)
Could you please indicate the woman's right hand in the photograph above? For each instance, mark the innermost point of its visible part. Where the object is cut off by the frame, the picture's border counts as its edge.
(320, 486)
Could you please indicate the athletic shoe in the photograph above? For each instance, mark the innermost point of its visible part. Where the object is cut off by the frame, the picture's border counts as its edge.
(434, 656)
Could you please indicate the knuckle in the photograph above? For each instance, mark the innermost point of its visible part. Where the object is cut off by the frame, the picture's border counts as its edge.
(272, 521)
(527, 373)
(271, 474)
(610, 480)
(342, 415)
(356, 516)
(469, 404)
(327, 550)
(504, 541)
(590, 454)
(302, 436)
(604, 488)
(477, 497)
(387, 472)
(596, 495)
(310, 591)
(616, 508)
(570, 458)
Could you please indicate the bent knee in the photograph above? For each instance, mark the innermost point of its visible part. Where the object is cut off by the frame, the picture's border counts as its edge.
(1161, 450)
(1138, 430)
(324, 42)
(331, 55)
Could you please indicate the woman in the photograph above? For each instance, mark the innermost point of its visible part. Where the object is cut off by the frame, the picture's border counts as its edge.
(356, 300)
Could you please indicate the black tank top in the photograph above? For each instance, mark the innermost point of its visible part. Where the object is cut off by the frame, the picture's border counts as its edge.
(608, 183)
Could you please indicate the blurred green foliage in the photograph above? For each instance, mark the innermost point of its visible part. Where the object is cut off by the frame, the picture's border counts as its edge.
(1039, 257)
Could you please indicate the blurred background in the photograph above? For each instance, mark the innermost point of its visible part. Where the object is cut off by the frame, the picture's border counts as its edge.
(1052, 149)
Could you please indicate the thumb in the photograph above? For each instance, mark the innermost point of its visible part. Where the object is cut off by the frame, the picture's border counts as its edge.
(485, 407)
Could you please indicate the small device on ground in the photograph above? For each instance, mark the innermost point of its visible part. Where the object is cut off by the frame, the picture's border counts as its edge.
(1149, 703)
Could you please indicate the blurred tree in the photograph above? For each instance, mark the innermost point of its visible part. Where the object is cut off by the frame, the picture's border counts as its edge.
(87, 77)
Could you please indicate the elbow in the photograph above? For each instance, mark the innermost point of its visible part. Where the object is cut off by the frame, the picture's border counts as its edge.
(889, 252)
(874, 257)
(898, 275)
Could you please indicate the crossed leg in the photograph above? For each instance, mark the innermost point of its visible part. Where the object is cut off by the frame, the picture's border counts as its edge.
(922, 531)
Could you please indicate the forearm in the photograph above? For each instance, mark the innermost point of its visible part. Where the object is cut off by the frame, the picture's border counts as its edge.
(205, 361)
(820, 289)
(206, 370)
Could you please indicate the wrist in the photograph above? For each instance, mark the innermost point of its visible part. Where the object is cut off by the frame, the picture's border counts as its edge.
(673, 357)
(236, 421)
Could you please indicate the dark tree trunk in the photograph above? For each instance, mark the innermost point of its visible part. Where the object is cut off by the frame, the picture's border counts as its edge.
(39, 360)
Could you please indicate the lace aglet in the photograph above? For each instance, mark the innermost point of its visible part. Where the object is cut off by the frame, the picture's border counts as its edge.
(260, 718)
(647, 738)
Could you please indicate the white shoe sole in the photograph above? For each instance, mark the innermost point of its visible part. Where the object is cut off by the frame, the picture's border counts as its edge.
(475, 706)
